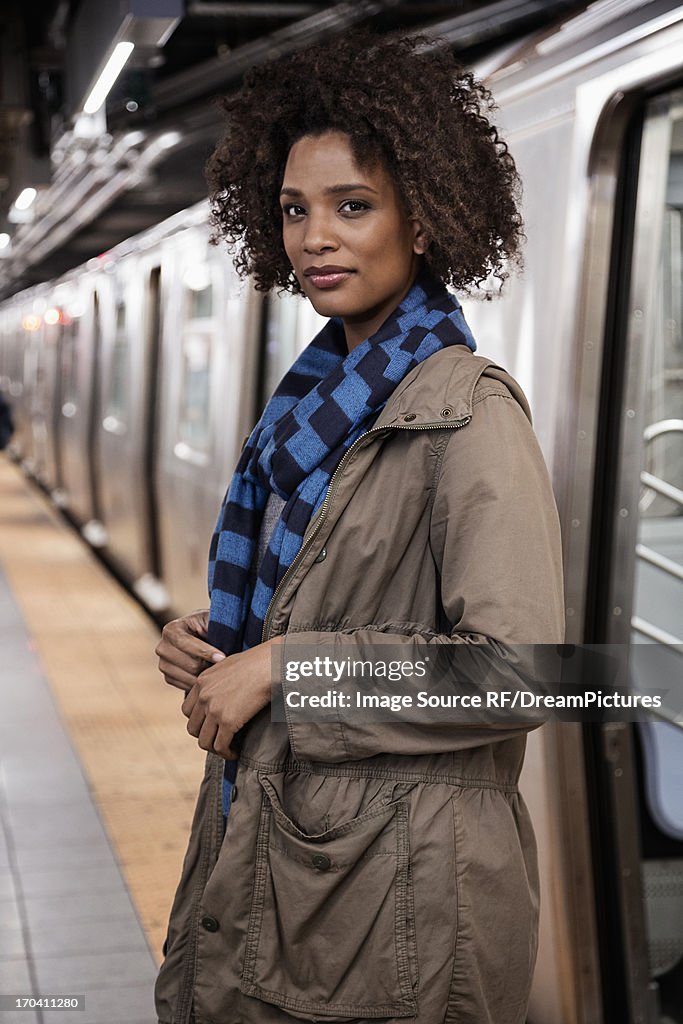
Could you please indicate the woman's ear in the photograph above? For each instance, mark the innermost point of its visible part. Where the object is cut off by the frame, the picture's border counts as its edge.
(420, 239)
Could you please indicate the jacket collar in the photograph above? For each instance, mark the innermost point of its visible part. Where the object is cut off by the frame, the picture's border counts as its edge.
(440, 390)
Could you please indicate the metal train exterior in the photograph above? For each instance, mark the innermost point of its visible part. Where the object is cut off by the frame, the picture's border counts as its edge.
(133, 381)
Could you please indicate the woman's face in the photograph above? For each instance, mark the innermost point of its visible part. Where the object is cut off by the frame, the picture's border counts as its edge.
(353, 246)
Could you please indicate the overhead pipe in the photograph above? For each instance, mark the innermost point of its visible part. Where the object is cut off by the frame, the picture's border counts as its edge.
(491, 20)
(73, 190)
(97, 202)
(199, 9)
(475, 26)
(88, 195)
(213, 74)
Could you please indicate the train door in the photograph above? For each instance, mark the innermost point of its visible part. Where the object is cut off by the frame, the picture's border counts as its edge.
(67, 403)
(187, 449)
(149, 587)
(45, 398)
(635, 770)
(79, 365)
(69, 308)
(6, 344)
(32, 325)
(40, 341)
(122, 426)
(13, 380)
(209, 343)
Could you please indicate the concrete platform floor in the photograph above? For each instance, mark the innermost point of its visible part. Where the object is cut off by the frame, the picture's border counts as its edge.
(98, 776)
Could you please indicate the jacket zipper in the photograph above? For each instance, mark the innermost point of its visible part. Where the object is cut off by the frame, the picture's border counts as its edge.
(326, 502)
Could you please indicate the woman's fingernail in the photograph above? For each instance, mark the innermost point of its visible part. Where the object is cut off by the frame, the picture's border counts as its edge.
(218, 656)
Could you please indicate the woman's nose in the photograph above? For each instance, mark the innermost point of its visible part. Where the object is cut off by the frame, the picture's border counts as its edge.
(319, 234)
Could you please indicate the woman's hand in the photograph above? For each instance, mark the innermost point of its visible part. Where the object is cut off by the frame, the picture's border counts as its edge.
(182, 651)
(227, 695)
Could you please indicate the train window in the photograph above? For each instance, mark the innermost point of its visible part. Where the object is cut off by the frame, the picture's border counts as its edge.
(281, 338)
(201, 302)
(198, 331)
(292, 322)
(117, 399)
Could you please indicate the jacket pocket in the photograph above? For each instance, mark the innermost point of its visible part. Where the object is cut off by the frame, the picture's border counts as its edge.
(331, 929)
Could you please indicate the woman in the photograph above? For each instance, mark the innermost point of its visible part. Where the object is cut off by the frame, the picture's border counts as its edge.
(392, 493)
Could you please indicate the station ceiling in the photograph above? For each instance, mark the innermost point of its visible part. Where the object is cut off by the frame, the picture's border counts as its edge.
(163, 100)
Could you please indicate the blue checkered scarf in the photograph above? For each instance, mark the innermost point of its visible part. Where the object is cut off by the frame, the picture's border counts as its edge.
(327, 399)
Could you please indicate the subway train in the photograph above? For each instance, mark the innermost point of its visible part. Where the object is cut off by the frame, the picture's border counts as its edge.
(134, 379)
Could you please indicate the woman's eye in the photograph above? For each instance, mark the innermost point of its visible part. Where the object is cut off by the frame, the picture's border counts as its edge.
(354, 206)
(292, 210)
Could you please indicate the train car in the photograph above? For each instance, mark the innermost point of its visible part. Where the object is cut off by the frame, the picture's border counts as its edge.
(164, 361)
(593, 114)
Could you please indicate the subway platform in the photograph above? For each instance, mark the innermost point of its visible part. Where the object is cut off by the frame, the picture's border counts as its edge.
(98, 777)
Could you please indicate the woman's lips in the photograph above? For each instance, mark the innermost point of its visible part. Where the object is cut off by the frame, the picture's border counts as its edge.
(329, 280)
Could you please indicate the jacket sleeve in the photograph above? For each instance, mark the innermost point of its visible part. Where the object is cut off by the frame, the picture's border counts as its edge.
(495, 538)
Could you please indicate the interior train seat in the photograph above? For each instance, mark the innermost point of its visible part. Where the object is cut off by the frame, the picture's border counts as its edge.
(661, 746)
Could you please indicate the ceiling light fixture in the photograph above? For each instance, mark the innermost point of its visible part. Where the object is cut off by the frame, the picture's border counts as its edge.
(169, 139)
(111, 71)
(25, 198)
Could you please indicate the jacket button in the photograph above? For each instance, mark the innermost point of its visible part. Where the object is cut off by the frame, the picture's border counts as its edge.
(210, 924)
(233, 794)
(321, 861)
(409, 416)
(322, 555)
(446, 412)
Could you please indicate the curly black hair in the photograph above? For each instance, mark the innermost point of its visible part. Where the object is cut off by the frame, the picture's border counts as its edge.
(399, 100)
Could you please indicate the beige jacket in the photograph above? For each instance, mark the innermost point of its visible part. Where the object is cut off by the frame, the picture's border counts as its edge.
(386, 871)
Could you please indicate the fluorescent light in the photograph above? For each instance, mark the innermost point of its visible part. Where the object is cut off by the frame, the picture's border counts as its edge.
(112, 70)
(169, 139)
(4, 240)
(134, 138)
(25, 198)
